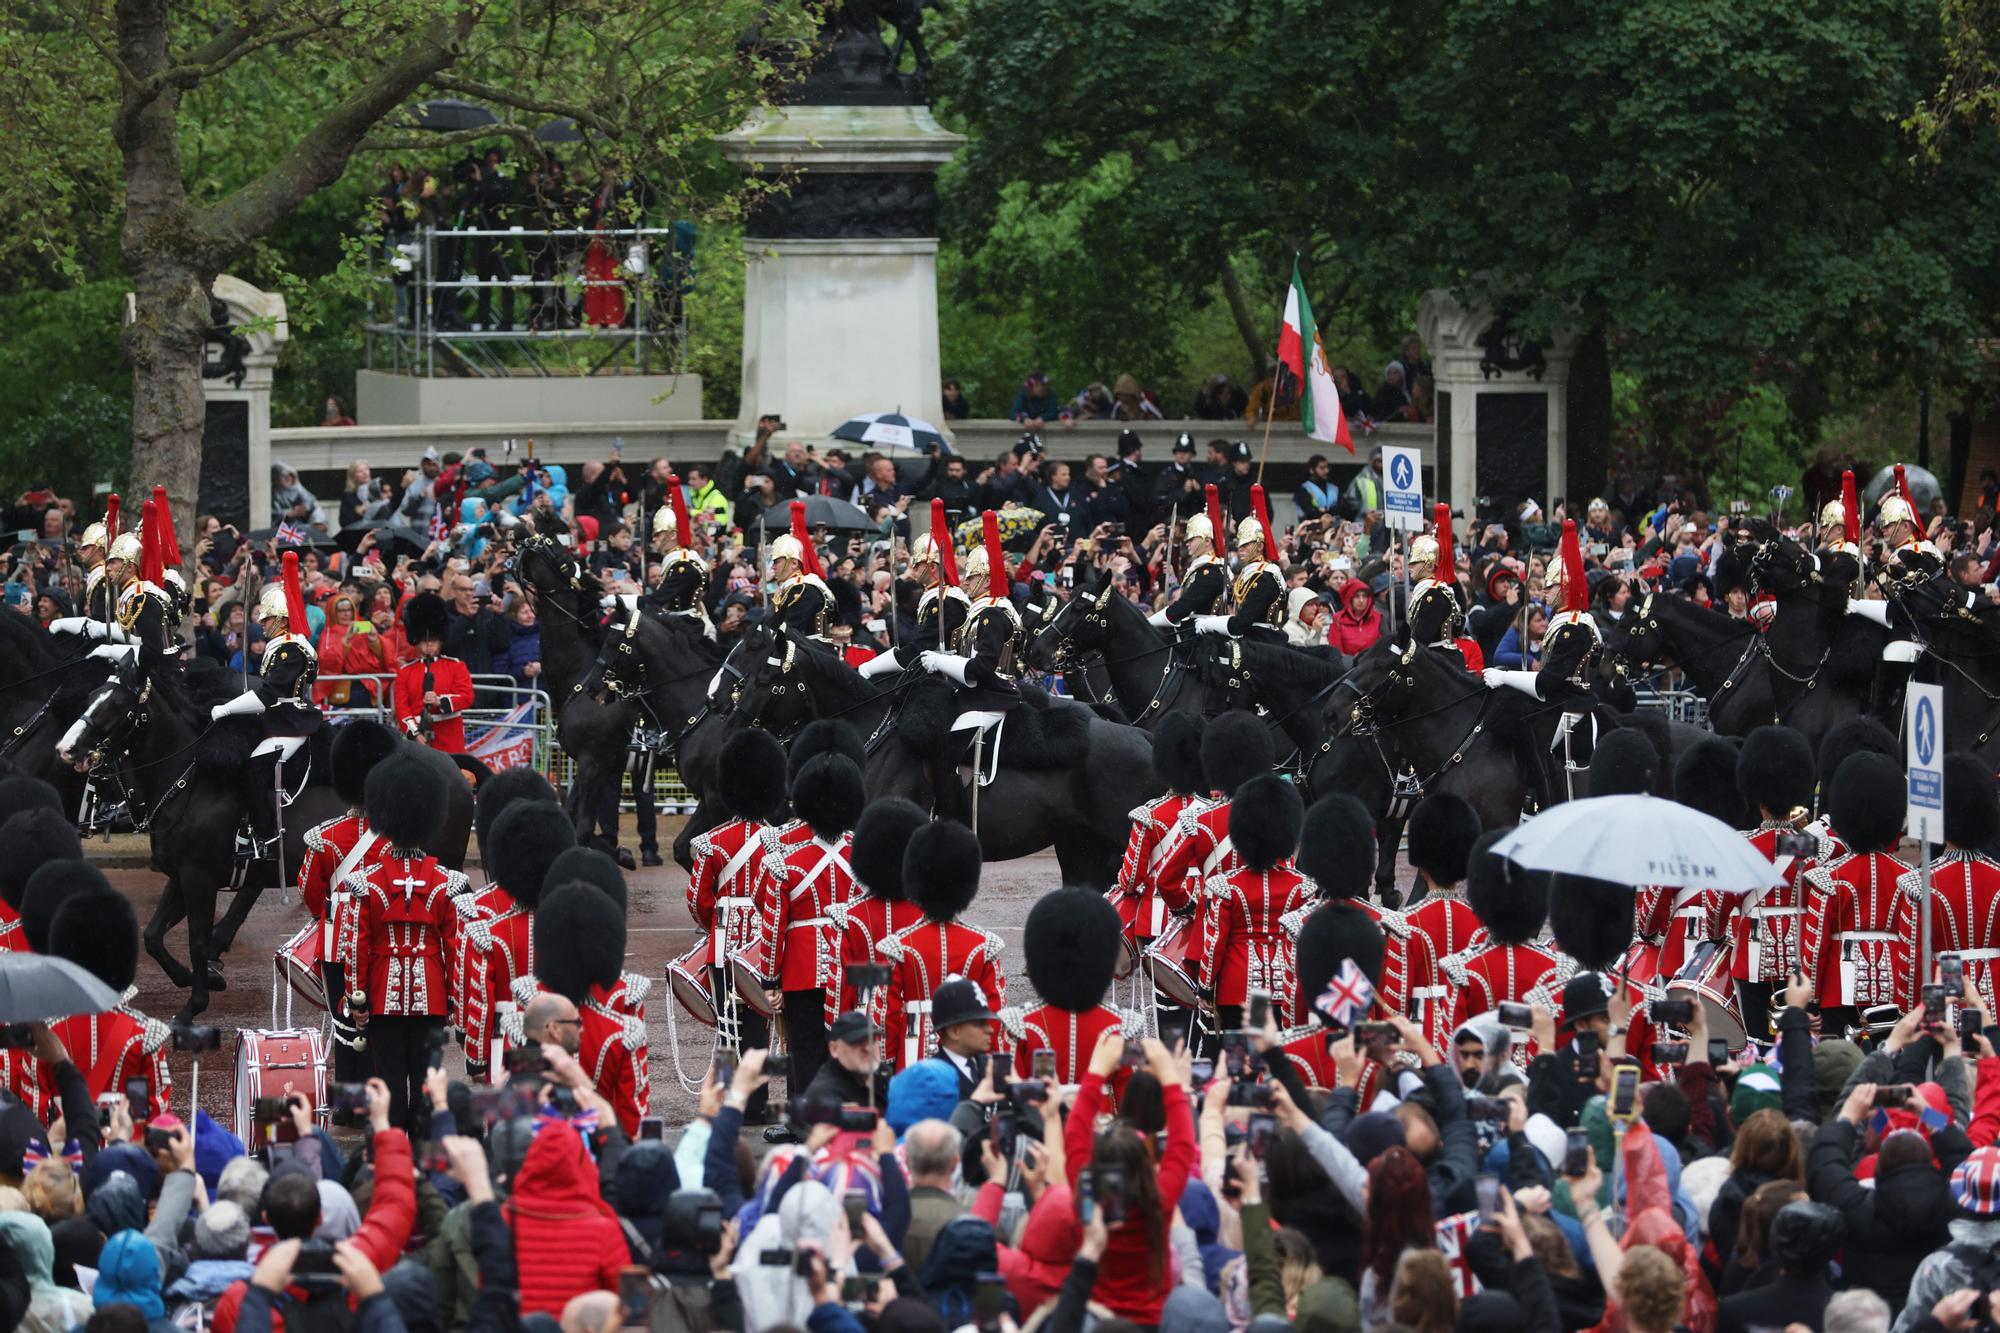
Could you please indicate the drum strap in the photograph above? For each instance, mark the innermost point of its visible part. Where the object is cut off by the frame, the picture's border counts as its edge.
(1217, 858)
(829, 857)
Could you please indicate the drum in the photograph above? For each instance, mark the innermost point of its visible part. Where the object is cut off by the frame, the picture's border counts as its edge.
(296, 965)
(1641, 963)
(276, 1062)
(688, 975)
(1127, 905)
(1166, 963)
(746, 970)
(1706, 976)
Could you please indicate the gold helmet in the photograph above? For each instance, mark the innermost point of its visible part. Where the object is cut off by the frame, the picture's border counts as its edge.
(1250, 530)
(664, 525)
(974, 563)
(126, 548)
(1833, 520)
(92, 536)
(787, 547)
(1198, 526)
(1894, 509)
(271, 605)
(924, 550)
(1423, 553)
(1552, 581)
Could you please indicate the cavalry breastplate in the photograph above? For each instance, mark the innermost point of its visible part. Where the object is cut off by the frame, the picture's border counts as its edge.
(786, 600)
(1246, 587)
(993, 622)
(290, 668)
(1432, 598)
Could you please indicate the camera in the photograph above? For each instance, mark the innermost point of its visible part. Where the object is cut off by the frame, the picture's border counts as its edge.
(1044, 1063)
(852, 1119)
(1256, 1096)
(1493, 1109)
(1891, 1095)
(1670, 1052)
(347, 1099)
(1263, 1128)
(1368, 1034)
(1028, 1091)
(1796, 845)
(159, 1140)
(314, 1267)
(1677, 1012)
(1108, 1191)
(1934, 1002)
(1576, 1153)
(1513, 1015)
(1971, 1022)
(273, 1116)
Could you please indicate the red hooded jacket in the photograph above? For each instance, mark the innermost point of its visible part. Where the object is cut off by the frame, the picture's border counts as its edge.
(566, 1237)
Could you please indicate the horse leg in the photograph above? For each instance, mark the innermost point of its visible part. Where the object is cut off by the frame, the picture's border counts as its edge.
(232, 920)
(166, 916)
(199, 893)
(1389, 842)
(1084, 862)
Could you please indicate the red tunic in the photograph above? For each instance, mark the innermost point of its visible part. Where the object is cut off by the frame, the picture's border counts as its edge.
(864, 924)
(1244, 948)
(923, 957)
(495, 945)
(328, 847)
(1485, 978)
(1135, 893)
(407, 930)
(1860, 941)
(110, 1048)
(1198, 850)
(722, 887)
(1965, 917)
(1072, 1034)
(1306, 1047)
(452, 684)
(798, 890)
(615, 1052)
(12, 938)
(1410, 969)
(1765, 934)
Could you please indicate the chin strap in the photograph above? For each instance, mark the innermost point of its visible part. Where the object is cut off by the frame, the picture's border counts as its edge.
(1524, 681)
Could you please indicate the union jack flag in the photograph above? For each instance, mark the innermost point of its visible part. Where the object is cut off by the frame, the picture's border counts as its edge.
(440, 529)
(1347, 998)
(291, 534)
(38, 1152)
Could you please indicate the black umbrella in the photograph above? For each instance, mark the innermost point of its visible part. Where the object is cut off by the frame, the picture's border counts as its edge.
(822, 511)
(316, 539)
(452, 113)
(35, 988)
(892, 430)
(391, 539)
(560, 130)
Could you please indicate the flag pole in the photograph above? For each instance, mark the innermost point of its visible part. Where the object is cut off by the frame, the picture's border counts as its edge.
(1270, 413)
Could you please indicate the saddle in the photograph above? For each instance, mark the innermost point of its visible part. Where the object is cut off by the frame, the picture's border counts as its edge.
(1041, 732)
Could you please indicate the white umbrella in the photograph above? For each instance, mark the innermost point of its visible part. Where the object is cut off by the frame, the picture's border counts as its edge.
(1640, 840)
(892, 430)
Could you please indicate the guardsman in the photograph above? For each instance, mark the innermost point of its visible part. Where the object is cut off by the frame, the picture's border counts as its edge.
(1674, 923)
(1244, 947)
(496, 932)
(283, 699)
(41, 839)
(1570, 648)
(138, 604)
(90, 549)
(1510, 968)
(942, 608)
(1965, 882)
(1775, 775)
(100, 933)
(1841, 560)
(880, 906)
(1442, 829)
(800, 600)
(1590, 920)
(683, 583)
(941, 875)
(1135, 894)
(1860, 924)
(1068, 950)
(579, 936)
(433, 692)
(986, 658)
(1259, 592)
(335, 849)
(1331, 934)
(1205, 581)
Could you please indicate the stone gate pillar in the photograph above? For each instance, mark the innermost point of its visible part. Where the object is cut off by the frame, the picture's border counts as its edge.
(236, 382)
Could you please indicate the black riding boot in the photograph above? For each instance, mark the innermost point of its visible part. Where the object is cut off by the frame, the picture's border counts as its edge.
(261, 805)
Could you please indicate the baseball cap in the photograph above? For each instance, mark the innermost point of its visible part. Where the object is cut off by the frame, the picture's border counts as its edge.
(853, 1028)
(959, 1000)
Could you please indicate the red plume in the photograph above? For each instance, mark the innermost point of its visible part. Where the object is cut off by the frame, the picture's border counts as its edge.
(152, 569)
(111, 507)
(1850, 507)
(1903, 489)
(809, 556)
(1263, 513)
(170, 545)
(998, 583)
(947, 545)
(295, 597)
(683, 528)
(1447, 565)
(1219, 535)
(1576, 588)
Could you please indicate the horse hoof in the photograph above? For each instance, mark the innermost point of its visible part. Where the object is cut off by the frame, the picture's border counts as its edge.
(1392, 898)
(216, 981)
(176, 974)
(189, 1012)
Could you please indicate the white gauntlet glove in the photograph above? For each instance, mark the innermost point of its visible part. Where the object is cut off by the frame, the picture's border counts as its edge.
(945, 664)
(243, 705)
(1211, 624)
(1160, 620)
(1875, 611)
(1524, 681)
(879, 665)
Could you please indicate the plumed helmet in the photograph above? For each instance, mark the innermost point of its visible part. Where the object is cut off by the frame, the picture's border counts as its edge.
(125, 546)
(1591, 919)
(787, 547)
(20, 792)
(358, 746)
(1423, 554)
(1624, 764)
(30, 839)
(1071, 946)
(881, 838)
(407, 799)
(588, 865)
(1333, 933)
(524, 842)
(1264, 821)
(49, 888)
(1832, 521)
(1510, 902)
(1776, 770)
(1442, 830)
(664, 525)
(924, 550)
(828, 795)
(751, 779)
(1250, 532)
(941, 870)
(1857, 735)
(1867, 802)
(1971, 803)
(1177, 753)
(1198, 526)
(1337, 846)
(499, 794)
(426, 616)
(579, 939)
(1894, 509)
(92, 536)
(826, 735)
(99, 932)
(1235, 748)
(272, 604)
(973, 562)
(1705, 780)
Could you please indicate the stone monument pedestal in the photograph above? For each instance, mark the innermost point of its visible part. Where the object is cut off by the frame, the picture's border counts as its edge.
(236, 439)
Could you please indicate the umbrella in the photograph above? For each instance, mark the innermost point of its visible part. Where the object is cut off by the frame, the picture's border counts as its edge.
(1640, 840)
(35, 988)
(1924, 488)
(892, 430)
(391, 539)
(822, 511)
(452, 113)
(1018, 527)
(317, 539)
(560, 130)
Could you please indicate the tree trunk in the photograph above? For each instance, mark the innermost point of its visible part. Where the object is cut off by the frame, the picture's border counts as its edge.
(163, 343)
(1589, 418)
(1255, 340)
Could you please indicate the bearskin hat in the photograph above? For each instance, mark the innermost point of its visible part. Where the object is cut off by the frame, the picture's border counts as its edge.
(49, 888)
(1337, 846)
(1177, 753)
(1867, 801)
(751, 778)
(425, 616)
(1661, 733)
(524, 843)
(1624, 764)
(499, 794)
(1442, 830)
(579, 940)
(1071, 946)
(407, 799)
(1857, 735)
(941, 870)
(1776, 770)
(1264, 821)
(99, 932)
(30, 839)
(1591, 919)
(20, 792)
(1705, 780)
(1971, 803)
(1333, 933)
(1235, 748)
(881, 838)
(827, 794)
(588, 865)
(825, 735)
(1510, 902)
(357, 747)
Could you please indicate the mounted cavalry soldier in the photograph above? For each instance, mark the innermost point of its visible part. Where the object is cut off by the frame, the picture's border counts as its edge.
(284, 699)
(942, 608)
(140, 611)
(90, 549)
(1570, 648)
(1775, 774)
(1965, 882)
(683, 573)
(1437, 608)
(1205, 581)
(1909, 558)
(433, 692)
(800, 600)
(1841, 559)
(985, 664)
(1259, 592)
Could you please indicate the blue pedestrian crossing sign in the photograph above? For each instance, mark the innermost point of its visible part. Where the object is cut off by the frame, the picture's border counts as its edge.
(1923, 726)
(1403, 488)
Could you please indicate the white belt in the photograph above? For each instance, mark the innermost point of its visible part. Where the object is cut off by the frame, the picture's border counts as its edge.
(1870, 936)
(735, 902)
(1761, 912)
(1973, 955)
(810, 921)
(916, 1006)
(1690, 913)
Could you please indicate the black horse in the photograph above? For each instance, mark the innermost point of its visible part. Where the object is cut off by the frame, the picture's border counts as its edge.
(1719, 654)
(184, 775)
(1822, 659)
(1359, 757)
(1081, 808)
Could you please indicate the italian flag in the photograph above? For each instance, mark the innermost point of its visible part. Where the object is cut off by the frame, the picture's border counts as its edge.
(1319, 400)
